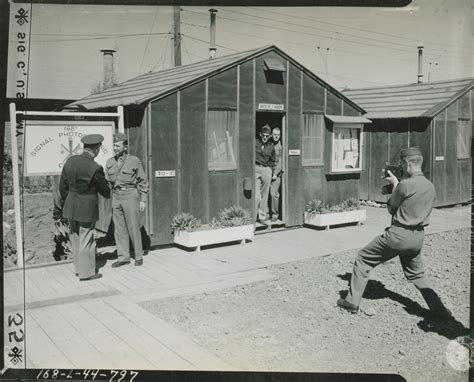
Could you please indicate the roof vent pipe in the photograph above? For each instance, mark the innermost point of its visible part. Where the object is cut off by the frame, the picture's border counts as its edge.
(212, 47)
(420, 64)
(108, 67)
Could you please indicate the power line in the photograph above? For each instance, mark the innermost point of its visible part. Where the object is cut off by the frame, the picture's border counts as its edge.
(354, 28)
(148, 41)
(307, 33)
(101, 38)
(326, 30)
(300, 43)
(207, 42)
(166, 48)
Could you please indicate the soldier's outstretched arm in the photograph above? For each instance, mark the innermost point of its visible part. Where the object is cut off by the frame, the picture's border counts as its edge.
(102, 183)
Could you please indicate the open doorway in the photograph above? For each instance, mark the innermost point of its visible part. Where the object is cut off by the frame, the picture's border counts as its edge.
(270, 200)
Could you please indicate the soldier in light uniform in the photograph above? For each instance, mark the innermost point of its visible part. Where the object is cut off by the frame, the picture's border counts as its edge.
(81, 179)
(130, 188)
(277, 173)
(410, 206)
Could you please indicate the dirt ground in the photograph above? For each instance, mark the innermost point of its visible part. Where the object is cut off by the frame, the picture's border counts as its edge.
(38, 229)
(291, 323)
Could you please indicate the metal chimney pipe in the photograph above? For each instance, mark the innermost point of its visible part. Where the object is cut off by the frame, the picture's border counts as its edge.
(108, 67)
(420, 64)
(212, 47)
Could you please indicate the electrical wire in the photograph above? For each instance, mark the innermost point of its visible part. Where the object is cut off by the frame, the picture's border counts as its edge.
(148, 41)
(207, 42)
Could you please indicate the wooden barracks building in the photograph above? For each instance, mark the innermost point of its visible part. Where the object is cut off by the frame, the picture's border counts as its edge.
(437, 116)
(194, 127)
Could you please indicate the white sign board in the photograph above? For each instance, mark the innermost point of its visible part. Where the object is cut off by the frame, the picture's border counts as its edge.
(48, 144)
(294, 152)
(165, 173)
(270, 106)
(439, 158)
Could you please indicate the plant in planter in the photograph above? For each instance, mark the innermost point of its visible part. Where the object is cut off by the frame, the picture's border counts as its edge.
(320, 214)
(230, 224)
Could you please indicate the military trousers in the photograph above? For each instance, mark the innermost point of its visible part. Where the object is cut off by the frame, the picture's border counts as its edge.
(127, 222)
(395, 241)
(83, 247)
(263, 178)
(275, 196)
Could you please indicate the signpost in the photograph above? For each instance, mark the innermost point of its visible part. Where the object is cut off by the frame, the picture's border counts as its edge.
(48, 144)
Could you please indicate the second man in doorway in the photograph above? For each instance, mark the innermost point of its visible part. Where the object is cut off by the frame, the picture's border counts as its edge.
(277, 172)
(130, 188)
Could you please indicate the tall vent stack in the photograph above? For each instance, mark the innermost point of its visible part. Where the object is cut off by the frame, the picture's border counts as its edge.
(108, 68)
(212, 47)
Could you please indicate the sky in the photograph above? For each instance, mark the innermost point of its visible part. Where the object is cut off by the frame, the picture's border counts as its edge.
(358, 47)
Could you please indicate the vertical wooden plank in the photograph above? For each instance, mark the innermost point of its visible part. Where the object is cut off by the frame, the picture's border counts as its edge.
(378, 157)
(246, 122)
(439, 165)
(164, 136)
(313, 95)
(452, 173)
(194, 173)
(222, 89)
(222, 191)
(295, 206)
(333, 104)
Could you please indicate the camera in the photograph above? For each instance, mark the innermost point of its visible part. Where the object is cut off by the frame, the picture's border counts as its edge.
(395, 170)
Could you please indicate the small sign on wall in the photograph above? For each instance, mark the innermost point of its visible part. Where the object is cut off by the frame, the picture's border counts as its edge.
(165, 173)
(294, 152)
(270, 106)
(439, 158)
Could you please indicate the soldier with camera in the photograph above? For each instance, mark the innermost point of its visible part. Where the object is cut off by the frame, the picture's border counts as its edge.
(410, 205)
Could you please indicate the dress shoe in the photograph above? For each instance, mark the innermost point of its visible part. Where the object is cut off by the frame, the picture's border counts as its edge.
(138, 262)
(93, 277)
(342, 303)
(120, 263)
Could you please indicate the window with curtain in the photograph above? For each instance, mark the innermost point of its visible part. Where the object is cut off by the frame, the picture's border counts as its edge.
(346, 148)
(221, 139)
(313, 144)
(464, 137)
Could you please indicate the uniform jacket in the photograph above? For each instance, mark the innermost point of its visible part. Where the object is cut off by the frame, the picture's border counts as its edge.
(265, 154)
(81, 179)
(127, 172)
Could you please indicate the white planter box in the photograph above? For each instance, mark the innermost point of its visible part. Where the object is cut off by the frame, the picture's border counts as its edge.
(214, 236)
(335, 218)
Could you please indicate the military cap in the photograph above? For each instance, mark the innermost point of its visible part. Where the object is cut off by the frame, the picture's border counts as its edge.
(266, 129)
(119, 137)
(410, 151)
(92, 139)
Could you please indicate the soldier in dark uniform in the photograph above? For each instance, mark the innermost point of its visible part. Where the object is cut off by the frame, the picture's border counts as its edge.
(81, 179)
(265, 159)
(410, 206)
(130, 189)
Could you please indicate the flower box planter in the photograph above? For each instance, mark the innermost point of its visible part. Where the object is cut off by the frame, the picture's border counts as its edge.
(197, 239)
(335, 218)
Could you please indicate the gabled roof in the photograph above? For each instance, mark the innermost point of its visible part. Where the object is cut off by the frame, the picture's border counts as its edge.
(423, 100)
(157, 85)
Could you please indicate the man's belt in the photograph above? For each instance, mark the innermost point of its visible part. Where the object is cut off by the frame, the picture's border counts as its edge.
(83, 192)
(409, 227)
(124, 188)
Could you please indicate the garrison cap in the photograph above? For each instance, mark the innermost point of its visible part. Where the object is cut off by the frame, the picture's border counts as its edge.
(92, 139)
(410, 151)
(119, 137)
(266, 129)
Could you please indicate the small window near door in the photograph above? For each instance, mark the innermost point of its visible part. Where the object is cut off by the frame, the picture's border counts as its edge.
(464, 136)
(221, 139)
(346, 148)
(313, 144)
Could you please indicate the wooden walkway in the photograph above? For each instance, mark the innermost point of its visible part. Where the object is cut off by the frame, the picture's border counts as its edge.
(100, 324)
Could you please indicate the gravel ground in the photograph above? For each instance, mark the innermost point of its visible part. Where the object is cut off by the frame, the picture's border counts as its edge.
(290, 323)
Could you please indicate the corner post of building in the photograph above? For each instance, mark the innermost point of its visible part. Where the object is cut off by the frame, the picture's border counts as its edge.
(121, 128)
(16, 187)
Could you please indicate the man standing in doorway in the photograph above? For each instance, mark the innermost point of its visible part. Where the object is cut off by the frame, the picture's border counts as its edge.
(264, 167)
(277, 172)
(410, 206)
(130, 189)
(81, 179)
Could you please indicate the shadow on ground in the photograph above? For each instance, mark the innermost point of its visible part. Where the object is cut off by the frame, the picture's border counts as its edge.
(446, 326)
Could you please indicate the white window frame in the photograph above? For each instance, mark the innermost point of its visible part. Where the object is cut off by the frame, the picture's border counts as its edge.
(337, 125)
(232, 166)
(312, 162)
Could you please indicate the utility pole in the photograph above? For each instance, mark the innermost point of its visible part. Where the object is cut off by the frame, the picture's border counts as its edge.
(177, 35)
